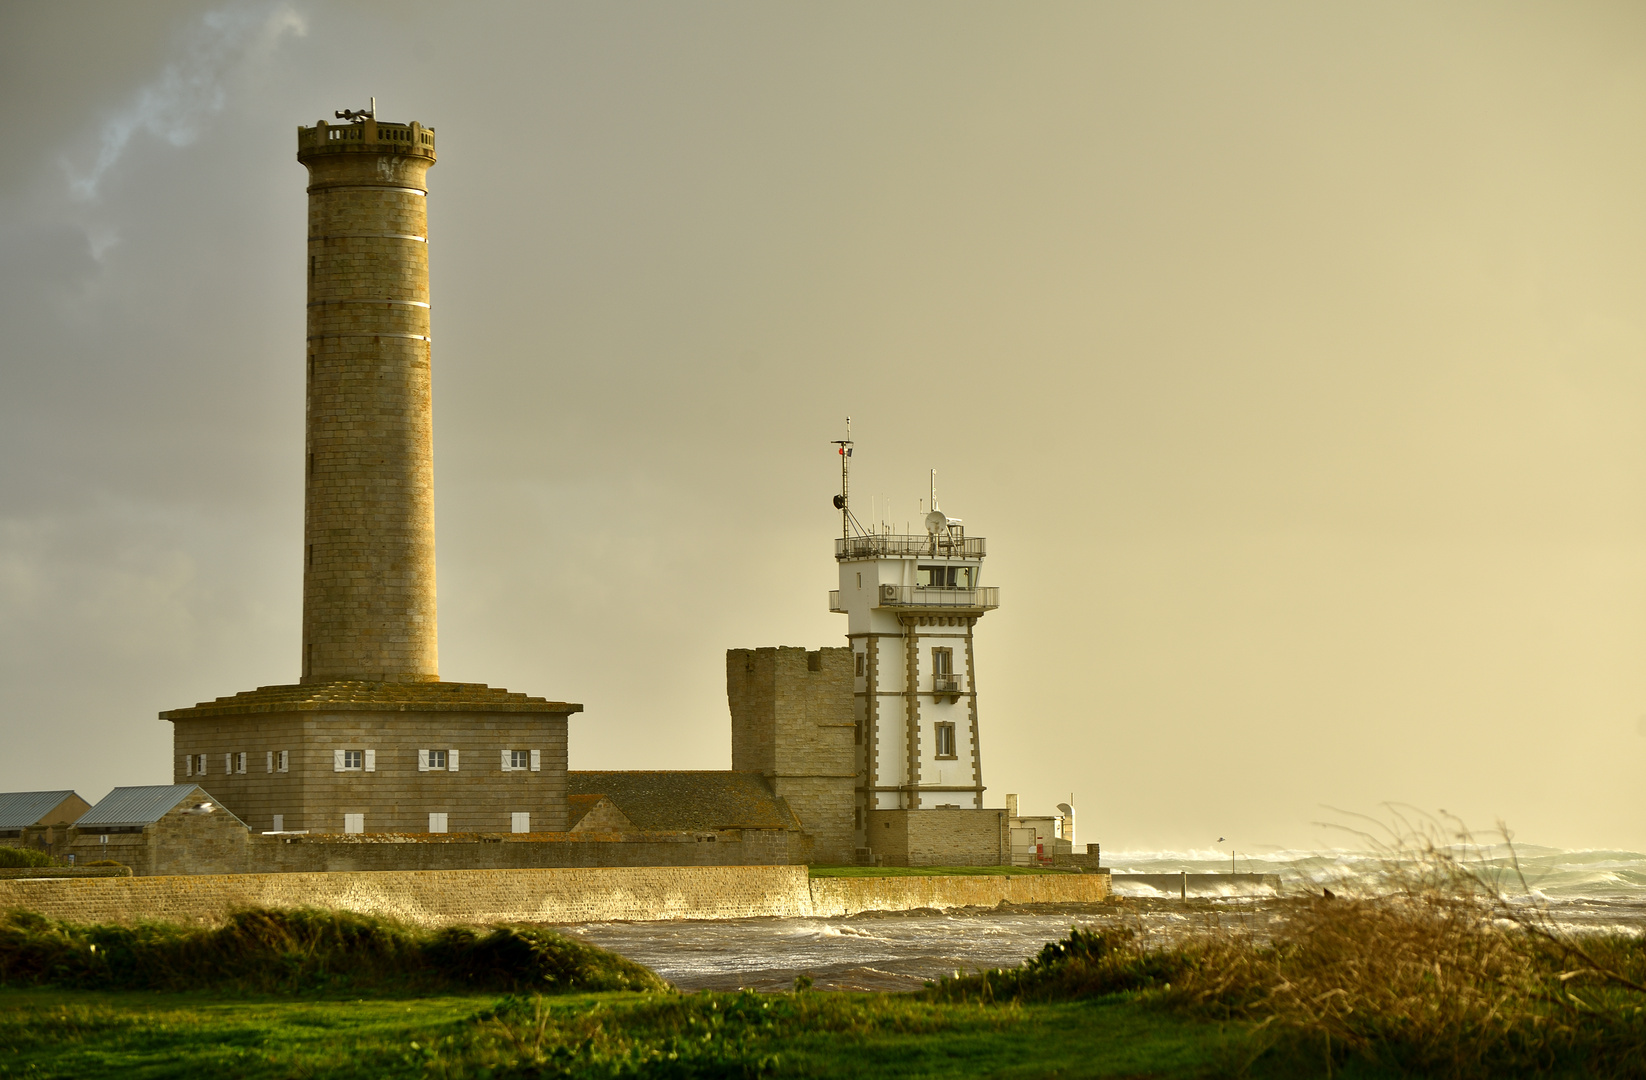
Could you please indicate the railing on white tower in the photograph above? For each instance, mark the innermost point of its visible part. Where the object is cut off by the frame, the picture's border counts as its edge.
(929, 596)
(953, 545)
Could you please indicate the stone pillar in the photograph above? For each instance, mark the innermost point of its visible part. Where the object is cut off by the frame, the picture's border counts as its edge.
(368, 523)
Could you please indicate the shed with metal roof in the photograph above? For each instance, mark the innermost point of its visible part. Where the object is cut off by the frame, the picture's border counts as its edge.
(20, 810)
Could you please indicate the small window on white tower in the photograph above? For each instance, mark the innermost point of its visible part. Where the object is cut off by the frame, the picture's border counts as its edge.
(945, 740)
(860, 664)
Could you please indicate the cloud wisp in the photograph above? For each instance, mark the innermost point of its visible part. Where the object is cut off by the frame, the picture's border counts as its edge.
(193, 87)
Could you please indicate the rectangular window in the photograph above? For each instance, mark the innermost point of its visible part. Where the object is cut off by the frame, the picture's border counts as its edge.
(861, 665)
(942, 661)
(240, 762)
(431, 760)
(282, 761)
(945, 740)
(437, 822)
(344, 760)
(354, 823)
(201, 766)
(520, 823)
(280, 823)
(516, 760)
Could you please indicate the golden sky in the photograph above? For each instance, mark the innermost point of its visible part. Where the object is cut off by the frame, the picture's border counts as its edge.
(1291, 358)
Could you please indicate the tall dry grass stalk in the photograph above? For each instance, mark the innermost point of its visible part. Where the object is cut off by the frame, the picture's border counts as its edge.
(1452, 968)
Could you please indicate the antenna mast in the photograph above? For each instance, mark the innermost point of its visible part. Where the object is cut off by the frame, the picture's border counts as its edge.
(840, 500)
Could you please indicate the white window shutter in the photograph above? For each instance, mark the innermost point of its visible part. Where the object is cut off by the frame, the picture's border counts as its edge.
(451, 760)
(228, 763)
(371, 760)
(422, 761)
(188, 765)
(337, 761)
(537, 761)
(271, 761)
(505, 761)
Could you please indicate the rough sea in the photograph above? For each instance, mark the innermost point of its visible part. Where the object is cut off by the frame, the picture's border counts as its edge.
(1588, 890)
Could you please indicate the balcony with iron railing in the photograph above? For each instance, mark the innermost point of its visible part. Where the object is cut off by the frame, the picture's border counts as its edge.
(927, 596)
(931, 596)
(947, 683)
(950, 545)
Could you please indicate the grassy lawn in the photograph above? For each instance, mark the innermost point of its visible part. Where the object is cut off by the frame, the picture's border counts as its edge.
(141, 1035)
(931, 871)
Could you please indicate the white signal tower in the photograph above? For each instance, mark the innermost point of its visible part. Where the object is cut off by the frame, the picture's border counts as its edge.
(912, 602)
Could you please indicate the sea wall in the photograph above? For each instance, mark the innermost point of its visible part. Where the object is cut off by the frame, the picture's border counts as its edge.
(448, 897)
(847, 896)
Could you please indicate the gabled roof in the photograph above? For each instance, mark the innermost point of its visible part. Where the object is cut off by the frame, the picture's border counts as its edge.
(139, 805)
(658, 801)
(595, 813)
(20, 809)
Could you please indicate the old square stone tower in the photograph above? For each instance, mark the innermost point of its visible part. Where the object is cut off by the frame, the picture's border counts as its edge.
(369, 739)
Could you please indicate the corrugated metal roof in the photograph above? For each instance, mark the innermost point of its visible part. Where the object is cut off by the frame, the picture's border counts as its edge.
(20, 809)
(137, 805)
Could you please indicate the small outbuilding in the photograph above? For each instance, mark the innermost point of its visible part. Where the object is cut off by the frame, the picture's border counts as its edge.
(38, 819)
(162, 829)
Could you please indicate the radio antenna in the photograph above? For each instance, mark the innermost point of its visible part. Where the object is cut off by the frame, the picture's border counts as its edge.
(841, 500)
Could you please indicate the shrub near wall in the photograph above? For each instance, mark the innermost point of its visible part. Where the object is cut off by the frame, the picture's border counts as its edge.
(283, 951)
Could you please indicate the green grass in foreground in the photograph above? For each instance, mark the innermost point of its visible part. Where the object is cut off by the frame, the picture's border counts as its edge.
(142, 1035)
(931, 871)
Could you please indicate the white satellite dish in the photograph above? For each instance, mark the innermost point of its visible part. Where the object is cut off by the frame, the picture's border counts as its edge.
(936, 521)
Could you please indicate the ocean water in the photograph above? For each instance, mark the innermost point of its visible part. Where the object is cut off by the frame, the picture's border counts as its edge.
(1579, 890)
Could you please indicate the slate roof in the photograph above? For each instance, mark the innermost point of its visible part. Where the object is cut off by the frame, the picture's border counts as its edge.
(350, 696)
(664, 800)
(138, 805)
(20, 809)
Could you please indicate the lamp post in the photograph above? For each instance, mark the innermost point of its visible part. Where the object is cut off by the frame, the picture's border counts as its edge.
(1231, 855)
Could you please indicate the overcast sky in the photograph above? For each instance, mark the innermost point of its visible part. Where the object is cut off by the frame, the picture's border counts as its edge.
(1291, 357)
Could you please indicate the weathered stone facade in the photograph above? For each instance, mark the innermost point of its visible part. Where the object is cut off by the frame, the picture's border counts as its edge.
(282, 751)
(940, 837)
(792, 721)
(368, 569)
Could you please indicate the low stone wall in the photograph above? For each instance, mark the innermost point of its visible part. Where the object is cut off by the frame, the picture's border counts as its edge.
(847, 896)
(448, 897)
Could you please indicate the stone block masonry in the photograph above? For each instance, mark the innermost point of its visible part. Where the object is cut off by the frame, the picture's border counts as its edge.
(792, 721)
(276, 751)
(453, 897)
(368, 561)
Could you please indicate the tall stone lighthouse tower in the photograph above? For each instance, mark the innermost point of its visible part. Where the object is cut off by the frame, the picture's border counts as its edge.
(368, 522)
(369, 740)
